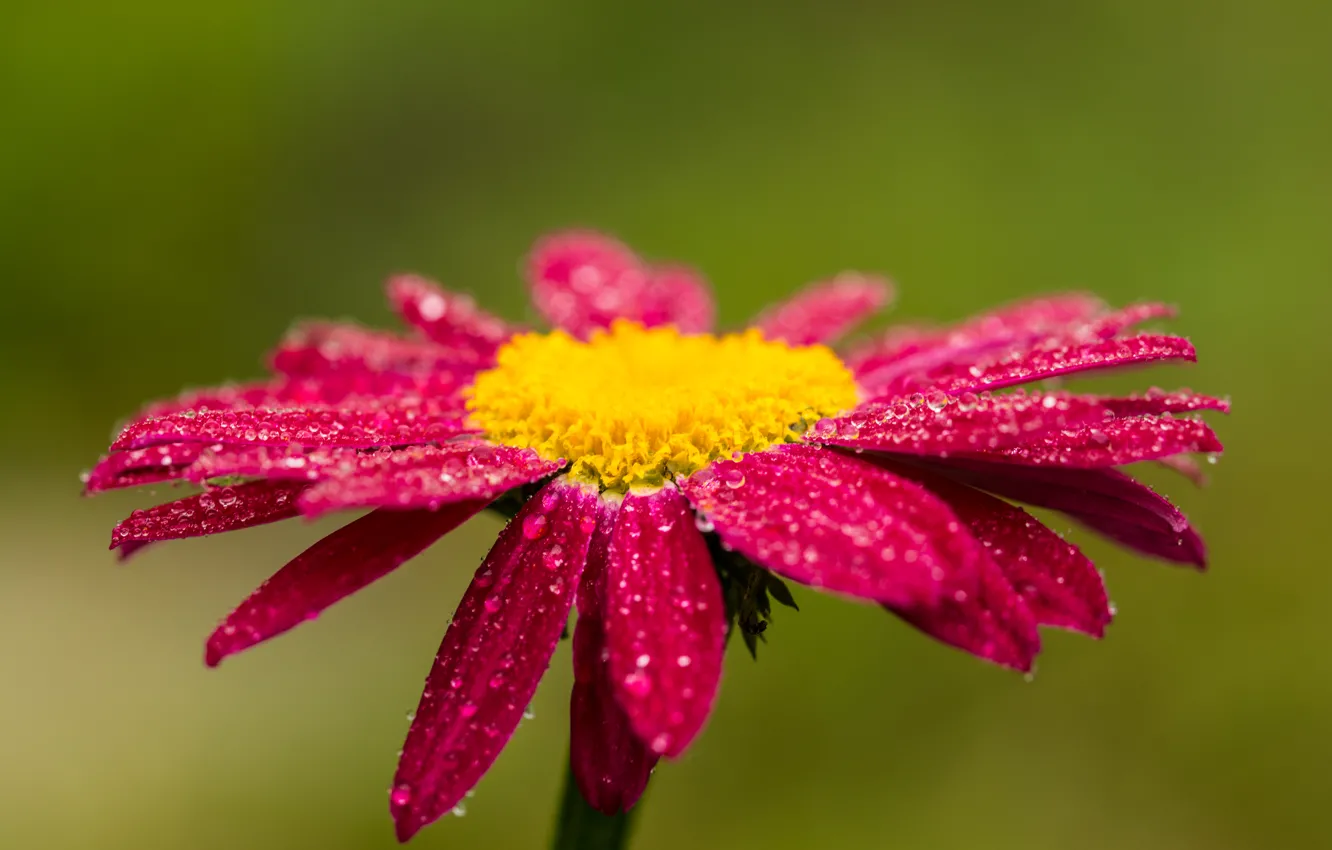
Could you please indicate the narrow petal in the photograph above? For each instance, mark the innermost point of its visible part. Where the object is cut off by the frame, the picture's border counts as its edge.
(210, 512)
(167, 462)
(332, 569)
(583, 281)
(284, 463)
(494, 653)
(231, 397)
(991, 620)
(1156, 401)
(665, 620)
(1060, 585)
(318, 349)
(832, 521)
(1115, 443)
(823, 312)
(1036, 364)
(426, 477)
(307, 427)
(450, 319)
(1123, 509)
(1186, 466)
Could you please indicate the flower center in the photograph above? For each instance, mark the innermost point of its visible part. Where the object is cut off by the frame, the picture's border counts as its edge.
(635, 406)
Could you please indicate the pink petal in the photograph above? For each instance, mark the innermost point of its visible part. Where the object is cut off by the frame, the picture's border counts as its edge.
(610, 763)
(233, 397)
(286, 463)
(1107, 500)
(496, 649)
(309, 427)
(332, 569)
(451, 319)
(1156, 401)
(941, 425)
(1036, 364)
(210, 512)
(318, 349)
(832, 521)
(583, 281)
(426, 477)
(824, 311)
(665, 620)
(990, 620)
(166, 462)
(1114, 443)
(1186, 466)
(1061, 586)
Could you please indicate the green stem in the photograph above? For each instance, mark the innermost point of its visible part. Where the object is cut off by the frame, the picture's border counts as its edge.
(581, 827)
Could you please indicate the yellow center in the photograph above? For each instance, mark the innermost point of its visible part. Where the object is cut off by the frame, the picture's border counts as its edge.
(635, 406)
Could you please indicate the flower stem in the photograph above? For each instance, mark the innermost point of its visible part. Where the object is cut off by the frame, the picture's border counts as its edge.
(581, 827)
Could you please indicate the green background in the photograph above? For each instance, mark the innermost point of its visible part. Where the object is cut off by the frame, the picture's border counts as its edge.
(178, 181)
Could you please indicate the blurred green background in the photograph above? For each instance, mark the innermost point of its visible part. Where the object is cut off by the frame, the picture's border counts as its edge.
(178, 181)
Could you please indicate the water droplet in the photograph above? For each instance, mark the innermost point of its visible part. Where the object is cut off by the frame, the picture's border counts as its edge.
(401, 795)
(534, 526)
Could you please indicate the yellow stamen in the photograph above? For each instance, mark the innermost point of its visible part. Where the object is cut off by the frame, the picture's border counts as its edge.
(636, 406)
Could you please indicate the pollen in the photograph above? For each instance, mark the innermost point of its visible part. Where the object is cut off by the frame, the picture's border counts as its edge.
(636, 406)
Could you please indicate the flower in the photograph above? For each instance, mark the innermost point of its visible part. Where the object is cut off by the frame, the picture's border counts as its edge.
(662, 477)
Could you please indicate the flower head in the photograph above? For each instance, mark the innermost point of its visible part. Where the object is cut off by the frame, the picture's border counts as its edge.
(663, 479)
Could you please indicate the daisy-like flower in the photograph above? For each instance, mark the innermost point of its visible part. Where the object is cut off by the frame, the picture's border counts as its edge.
(661, 478)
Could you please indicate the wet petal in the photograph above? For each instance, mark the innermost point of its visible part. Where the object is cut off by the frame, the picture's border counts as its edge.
(276, 463)
(821, 313)
(1186, 466)
(583, 281)
(610, 763)
(154, 464)
(320, 349)
(449, 318)
(1125, 510)
(495, 652)
(832, 521)
(1115, 443)
(210, 512)
(665, 620)
(1060, 585)
(1050, 361)
(426, 477)
(308, 427)
(332, 569)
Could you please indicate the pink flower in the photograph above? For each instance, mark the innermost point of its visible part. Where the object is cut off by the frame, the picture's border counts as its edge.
(661, 478)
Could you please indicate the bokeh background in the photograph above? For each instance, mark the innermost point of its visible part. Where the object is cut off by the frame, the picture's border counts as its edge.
(178, 181)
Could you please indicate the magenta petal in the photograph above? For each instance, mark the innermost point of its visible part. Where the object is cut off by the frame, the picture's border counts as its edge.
(1114, 443)
(210, 512)
(494, 653)
(284, 463)
(1061, 586)
(665, 620)
(824, 311)
(583, 281)
(426, 477)
(451, 319)
(610, 763)
(833, 521)
(1186, 466)
(309, 427)
(167, 462)
(990, 620)
(332, 569)
(681, 297)
(321, 349)
(238, 396)
(1036, 364)
(1125, 510)
(1156, 401)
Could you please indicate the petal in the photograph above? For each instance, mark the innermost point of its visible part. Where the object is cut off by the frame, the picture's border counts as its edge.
(167, 462)
(1114, 443)
(276, 463)
(1125, 510)
(824, 311)
(942, 425)
(450, 319)
(309, 427)
(426, 477)
(990, 621)
(319, 349)
(832, 521)
(1156, 401)
(335, 567)
(1186, 466)
(1060, 585)
(210, 512)
(583, 281)
(1050, 361)
(232, 397)
(494, 653)
(665, 620)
